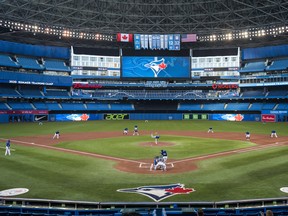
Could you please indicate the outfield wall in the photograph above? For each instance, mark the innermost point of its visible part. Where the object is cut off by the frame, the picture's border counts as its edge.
(27, 116)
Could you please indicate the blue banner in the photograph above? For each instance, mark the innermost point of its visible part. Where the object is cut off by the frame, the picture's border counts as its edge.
(137, 43)
(34, 79)
(77, 117)
(235, 117)
(155, 67)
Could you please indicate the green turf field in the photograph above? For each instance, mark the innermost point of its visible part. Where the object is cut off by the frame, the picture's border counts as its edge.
(50, 174)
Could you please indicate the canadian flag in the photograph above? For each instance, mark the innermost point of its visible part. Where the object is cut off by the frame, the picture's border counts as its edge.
(122, 37)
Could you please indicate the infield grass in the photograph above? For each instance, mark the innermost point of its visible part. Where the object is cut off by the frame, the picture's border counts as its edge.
(50, 174)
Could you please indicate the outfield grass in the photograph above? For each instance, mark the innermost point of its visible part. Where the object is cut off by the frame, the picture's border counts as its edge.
(57, 175)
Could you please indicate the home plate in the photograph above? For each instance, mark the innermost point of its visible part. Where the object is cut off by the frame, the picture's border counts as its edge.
(284, 189)
(32, 143)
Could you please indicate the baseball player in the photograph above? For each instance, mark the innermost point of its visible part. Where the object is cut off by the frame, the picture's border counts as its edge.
(56, 135)
(210, 130)
(273, 134)
(164, 155)
(247, 135)
(156, 137)
(7, 152)
(160, 165)
(125, 131)
(135, 132)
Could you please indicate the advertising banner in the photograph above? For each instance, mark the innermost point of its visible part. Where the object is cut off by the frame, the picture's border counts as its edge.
(116, 116)
(20, 112)
(268, 118)
(72, 117)
(235, 117)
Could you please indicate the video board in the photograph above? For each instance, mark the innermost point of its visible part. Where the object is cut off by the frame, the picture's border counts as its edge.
(157, 67)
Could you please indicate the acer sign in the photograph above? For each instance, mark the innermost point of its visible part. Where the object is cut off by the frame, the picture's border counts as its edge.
(116, 116)
(225, 86)
(268, 118)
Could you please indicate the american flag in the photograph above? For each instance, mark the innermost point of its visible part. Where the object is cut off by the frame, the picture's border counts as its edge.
(188, 38)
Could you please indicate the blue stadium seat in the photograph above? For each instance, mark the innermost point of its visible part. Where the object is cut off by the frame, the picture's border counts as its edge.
(97, 106)
(57, 94)
(29, 63)
(282, 106)
(6, 61)
(8, 91)
(268, 106)
(253, 67)
(3, 106)
(280, 64)
(124, 107)
(184, 106)
(213, 106)
(256, 106)
(20, 105)
(53, 106)
(72, 106)
(237, 106)
(253, 94)
(277, 94)
(56, 65)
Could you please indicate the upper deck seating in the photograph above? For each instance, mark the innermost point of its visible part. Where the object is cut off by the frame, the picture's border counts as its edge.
(20, 105)
(213, 106)
(188, 106)
(281, 64)
(31, 92)
(6, 61)
(253, 94)
(8, 91)
(57, 94)
(254, 67)
(72, 106)
(277, 94)
(3, 106)
(256, 106)
(29, 63)
(56, 65)
(97, 106)
(282, 106)
(53, 106)
(268, 106)
(40, 105)
(123, 107)
(237, 106)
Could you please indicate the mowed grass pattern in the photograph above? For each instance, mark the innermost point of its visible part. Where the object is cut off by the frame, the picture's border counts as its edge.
(50, 174)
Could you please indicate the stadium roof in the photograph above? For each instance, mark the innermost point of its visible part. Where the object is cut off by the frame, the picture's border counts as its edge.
(108, 17)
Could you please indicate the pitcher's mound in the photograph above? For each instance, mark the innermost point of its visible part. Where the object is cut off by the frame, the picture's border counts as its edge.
(159, 144)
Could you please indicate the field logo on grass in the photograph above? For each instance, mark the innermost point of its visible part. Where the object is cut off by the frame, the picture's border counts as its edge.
(13, 192)
(159, 192)
(284, 189)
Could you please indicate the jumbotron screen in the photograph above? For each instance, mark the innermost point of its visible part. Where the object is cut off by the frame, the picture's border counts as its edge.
(155, 67)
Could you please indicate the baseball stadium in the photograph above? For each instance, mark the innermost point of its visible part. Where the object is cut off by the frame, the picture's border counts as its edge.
(144, 107)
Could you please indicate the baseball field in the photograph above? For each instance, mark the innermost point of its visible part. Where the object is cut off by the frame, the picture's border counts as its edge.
(93, 159)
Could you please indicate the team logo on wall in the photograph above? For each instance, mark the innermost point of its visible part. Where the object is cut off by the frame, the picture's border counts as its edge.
(159, 192)
(157, 66)
(232, 117)
(78, 117)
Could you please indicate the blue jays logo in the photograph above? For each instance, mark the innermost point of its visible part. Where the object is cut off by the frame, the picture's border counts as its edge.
(156, 66)
(159, 192)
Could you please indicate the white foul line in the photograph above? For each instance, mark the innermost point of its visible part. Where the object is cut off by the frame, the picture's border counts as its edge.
(74, 151)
